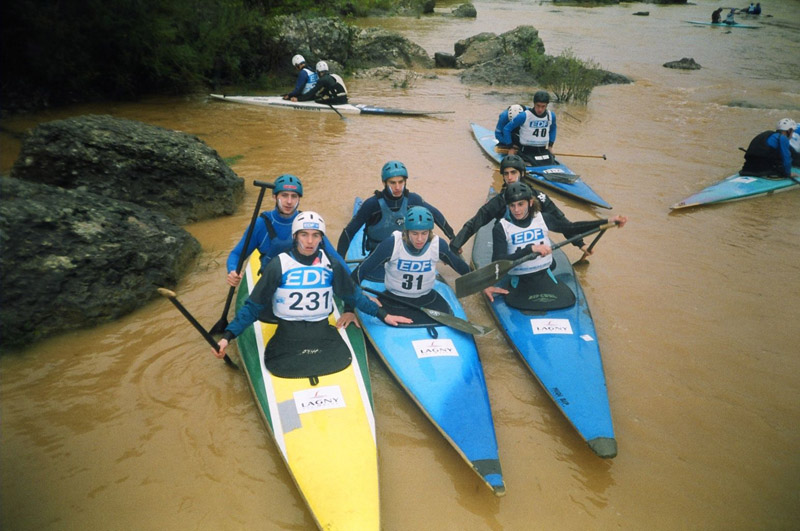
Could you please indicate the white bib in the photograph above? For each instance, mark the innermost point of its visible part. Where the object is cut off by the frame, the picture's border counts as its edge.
(306, 292)
(411, 275)
(519, 237)
(535, 131)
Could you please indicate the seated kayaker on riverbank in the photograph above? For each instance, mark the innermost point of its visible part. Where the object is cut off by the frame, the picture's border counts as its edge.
(512, 168)
(769, 153)
(406, 263)
(272, 230)
(506, 116)
(297, 290)
(306, 79)
(716, 16)
(329, 89)
(384, 212)
(523, 231)
(532, 132)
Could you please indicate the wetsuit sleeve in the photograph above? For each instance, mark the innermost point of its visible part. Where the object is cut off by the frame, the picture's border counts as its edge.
(438, 217)
(570, 229)
(491, 210)
(258, 300)
(367, 209)
(259, 234)
(380, 255)
(555, 219)
(333, 253)
(302, 79)
(351, 294)
(453, 260)
(511, 126)
(553, 129)
(502, 120)
(786, 155)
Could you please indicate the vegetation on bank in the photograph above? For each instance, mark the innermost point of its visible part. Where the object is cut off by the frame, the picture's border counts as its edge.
(53, 53)
(566, 76)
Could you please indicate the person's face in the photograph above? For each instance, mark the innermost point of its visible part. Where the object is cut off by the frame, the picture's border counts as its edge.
(418, 238)
(396, 185)
(519, 209)
(539, 108)
(511, 175)
(287, 202)
(308, 241)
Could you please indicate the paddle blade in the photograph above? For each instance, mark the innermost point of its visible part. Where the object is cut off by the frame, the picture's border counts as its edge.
(482, 278)
(459, 324)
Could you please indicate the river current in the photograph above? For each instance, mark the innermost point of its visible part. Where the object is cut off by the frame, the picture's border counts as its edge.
(134, 425)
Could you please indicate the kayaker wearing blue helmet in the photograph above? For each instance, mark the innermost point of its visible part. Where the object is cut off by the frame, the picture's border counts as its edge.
(385, 211)
(272, 231)
(296, 290)
(409, 257)
(306, 78)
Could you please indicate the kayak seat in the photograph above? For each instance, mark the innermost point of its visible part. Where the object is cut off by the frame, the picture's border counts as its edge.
(540, 292)
(302, 349)
(431, 300)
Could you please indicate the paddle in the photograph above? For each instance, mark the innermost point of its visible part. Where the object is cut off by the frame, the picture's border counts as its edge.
(557, 176)
(489, 274)
(220, 325)
(336, 111)
(445, 318)
(589, 249)
(207, 336)
(603, 156)
(791, 176)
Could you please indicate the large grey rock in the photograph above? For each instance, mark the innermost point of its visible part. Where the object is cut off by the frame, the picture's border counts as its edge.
(378, 47)
(466, 10)
(319, 38)
(171, 172)
(686, 63)
(485, 47)
(72, 259)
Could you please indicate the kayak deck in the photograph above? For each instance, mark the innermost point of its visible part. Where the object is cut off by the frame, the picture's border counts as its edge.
(325, 432)
(735, 188)
(440, 370)
(561, 350)
(722, 24)
(347, 108)
(543, 175)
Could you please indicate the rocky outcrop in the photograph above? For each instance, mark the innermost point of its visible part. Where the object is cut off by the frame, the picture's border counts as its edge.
(72, 258)
(465, 11)
(166, 171)
(687, 63)
(378, 47)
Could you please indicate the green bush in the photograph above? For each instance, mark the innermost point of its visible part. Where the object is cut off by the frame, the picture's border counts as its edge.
(566, 76)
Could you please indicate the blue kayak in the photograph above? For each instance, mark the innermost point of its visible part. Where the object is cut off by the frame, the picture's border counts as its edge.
(722, 24)
(560, 348)
(440, 370)
(737, 187)
(548, 176)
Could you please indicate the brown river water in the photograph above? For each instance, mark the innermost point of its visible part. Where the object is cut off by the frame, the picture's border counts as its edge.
(134, 425)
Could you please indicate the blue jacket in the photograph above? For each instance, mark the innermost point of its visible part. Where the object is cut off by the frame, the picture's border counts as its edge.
(516, 123)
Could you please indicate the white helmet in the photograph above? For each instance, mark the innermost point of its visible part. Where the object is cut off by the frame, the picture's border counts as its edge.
(298, 60)
(308, 221)
(322, 66)
(513, 111)
(786, 124)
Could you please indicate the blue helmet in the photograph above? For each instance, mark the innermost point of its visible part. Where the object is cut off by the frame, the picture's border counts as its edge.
(393, 168)
(288, 183)
(418, 218)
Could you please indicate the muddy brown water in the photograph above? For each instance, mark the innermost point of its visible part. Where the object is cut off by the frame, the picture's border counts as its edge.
(134, 425)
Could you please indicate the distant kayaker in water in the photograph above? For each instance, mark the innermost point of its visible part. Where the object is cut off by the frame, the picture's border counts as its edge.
(512, 168)
(535, 131)
(385, 211)
(716, 16)
(272, 231)
(769, 153)
(794, 146)
(296, 290)
(523, 230)
(330, 88)
(306, 79)
(729, 19)
(506, 116)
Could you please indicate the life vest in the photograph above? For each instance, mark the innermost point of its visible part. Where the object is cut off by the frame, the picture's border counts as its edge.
(518, 237)
(313, 77)
(411, 275)
(535, 131)
(278, 239)
(390, 221)
(306, 292)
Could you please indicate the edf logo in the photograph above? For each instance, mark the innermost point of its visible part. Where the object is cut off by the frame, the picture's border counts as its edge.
(528, 236)
(414, 266)
(307, 277)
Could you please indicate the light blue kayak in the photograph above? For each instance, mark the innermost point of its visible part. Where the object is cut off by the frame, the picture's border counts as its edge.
(440, 370)
(738, 187)
(542, 175)
(561, 350)
(723, 25)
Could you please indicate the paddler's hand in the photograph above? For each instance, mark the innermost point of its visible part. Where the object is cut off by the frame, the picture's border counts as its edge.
(491, 291)
(542, 248)
(394, 320)
(345, 320)
(619, 220)
(375, 300)
(234, 278)
(223, 344)
(294, 98)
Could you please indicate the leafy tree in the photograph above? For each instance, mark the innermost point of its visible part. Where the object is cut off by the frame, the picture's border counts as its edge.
(566, 76)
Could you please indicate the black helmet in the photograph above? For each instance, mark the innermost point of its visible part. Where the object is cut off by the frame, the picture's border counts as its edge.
(513, 161)
(541, 96)
(517, 191)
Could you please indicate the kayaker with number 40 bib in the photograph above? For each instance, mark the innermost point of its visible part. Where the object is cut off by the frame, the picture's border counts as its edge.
(523, 231)
(385, 211)
(296, 289)
(532, 132)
